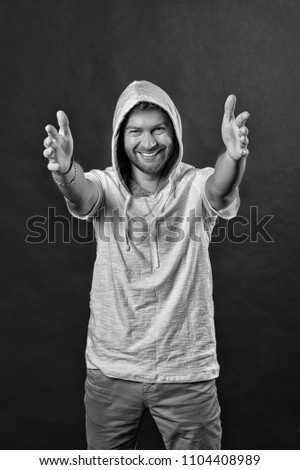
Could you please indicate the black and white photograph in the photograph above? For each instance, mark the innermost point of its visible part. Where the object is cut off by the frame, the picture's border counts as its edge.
(150, 254)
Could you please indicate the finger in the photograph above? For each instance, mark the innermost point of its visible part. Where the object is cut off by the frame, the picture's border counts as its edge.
(243, 130)
(49, 152)
(46, 142)
(51, 131)
(244, 152)
(244, 141)
(242, 118)
(229, 108)
(63, 122)
(49, 141)
(53, 166)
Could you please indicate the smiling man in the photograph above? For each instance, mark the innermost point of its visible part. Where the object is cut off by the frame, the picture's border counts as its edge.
(148, 142)
(151, 339)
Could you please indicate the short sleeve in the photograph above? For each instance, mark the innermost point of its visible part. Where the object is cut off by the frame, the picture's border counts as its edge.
(230, 211)
(95, 176)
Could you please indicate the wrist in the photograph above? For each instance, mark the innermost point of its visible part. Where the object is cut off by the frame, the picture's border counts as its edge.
(63, 173)
(67, 178)
(238, 158)
(230, 157)
(235, 159)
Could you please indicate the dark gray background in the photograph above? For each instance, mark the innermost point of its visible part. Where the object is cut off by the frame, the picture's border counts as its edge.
(79, 56)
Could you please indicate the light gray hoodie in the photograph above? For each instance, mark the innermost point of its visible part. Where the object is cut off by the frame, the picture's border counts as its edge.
(152, 314)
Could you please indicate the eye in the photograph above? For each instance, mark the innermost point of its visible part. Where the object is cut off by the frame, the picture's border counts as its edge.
(160, 129)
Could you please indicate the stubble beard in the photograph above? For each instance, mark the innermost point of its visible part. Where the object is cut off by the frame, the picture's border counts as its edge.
(154, 169)
(151, 168)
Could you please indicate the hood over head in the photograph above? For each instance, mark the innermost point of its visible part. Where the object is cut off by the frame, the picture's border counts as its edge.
(137, 92)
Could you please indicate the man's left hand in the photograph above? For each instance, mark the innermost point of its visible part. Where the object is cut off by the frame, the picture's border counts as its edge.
(234, 130)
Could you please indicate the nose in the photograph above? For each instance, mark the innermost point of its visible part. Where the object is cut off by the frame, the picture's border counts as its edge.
(148, 141)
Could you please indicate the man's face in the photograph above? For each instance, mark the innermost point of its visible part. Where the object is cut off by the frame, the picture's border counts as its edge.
(149, 140)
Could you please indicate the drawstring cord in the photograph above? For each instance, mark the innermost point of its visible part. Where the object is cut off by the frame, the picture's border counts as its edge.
(126, 222)
(153, 228)
(154, 243)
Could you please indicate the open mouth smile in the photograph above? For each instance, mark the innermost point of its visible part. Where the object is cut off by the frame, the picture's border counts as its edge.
(150, 155)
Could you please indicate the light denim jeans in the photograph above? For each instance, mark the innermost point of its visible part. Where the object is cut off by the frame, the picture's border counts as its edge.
(186, 414)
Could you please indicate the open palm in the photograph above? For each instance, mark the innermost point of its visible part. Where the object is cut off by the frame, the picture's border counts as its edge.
(234, 131)
(59, 144)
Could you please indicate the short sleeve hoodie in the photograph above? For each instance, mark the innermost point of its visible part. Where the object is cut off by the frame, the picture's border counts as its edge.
(151, 304)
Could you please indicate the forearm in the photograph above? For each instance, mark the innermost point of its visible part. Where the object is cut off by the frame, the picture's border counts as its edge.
(230, 167)
(227, 176)
(81, 192)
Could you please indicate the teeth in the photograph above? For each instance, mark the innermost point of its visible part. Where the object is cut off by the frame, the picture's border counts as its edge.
(149, 154)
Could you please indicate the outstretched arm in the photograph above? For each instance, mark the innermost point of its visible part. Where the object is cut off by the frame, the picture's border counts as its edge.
(230, 166)
(69, 176)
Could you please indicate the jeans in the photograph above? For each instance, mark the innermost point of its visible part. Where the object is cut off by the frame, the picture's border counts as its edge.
(186, 414)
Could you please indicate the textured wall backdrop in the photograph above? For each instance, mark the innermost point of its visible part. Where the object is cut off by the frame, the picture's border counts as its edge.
(78, 55)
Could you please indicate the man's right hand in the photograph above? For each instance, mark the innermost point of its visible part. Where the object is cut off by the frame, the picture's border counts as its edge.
(59, 144)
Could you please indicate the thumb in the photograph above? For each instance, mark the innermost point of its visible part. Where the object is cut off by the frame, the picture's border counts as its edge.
(63, 122)
(229, 107)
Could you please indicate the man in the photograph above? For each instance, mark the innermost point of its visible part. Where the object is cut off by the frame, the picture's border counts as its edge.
(151, 339)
